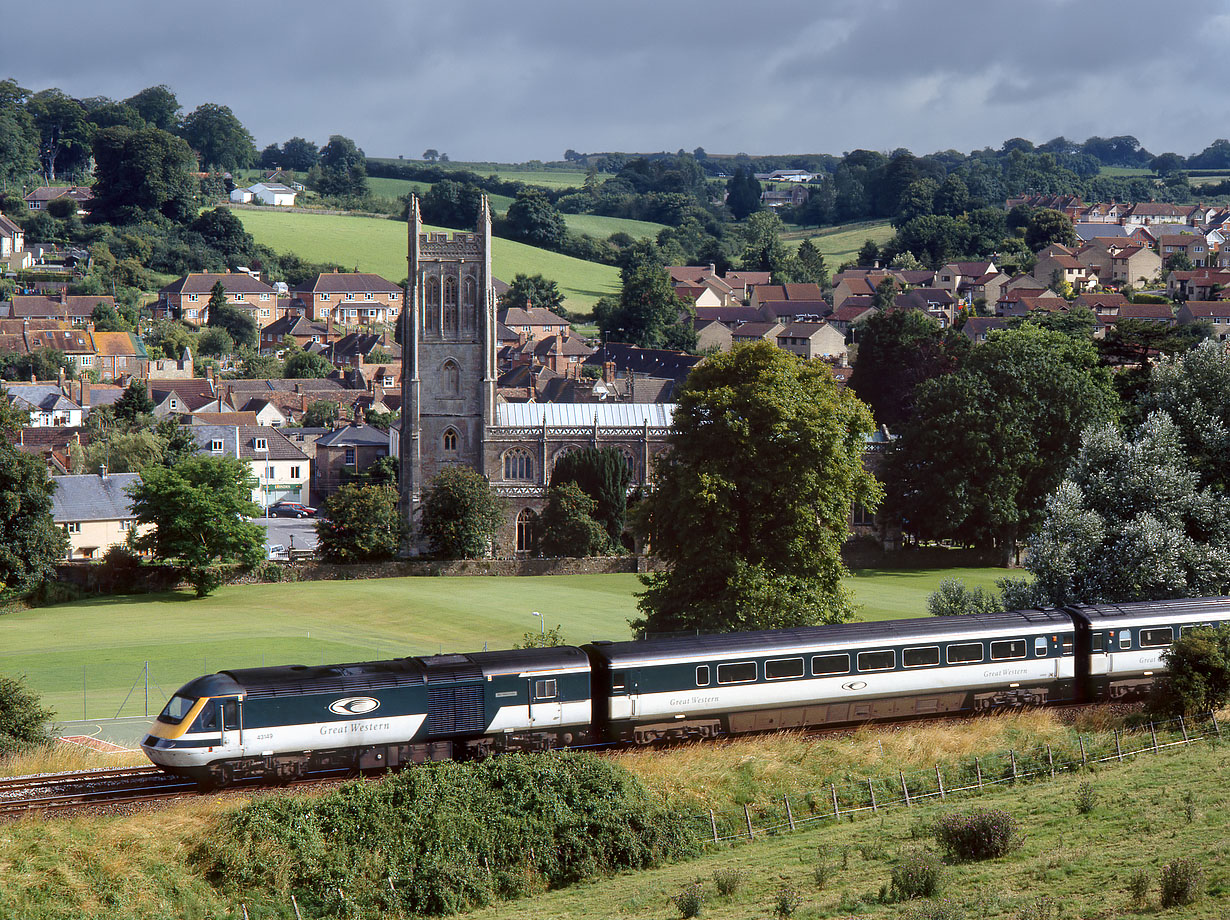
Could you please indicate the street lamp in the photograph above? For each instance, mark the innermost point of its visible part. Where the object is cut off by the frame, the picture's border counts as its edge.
(542, 623)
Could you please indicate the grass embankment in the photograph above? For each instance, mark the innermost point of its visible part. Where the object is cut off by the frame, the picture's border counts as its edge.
(374, 245)
(97, 648)
(1148, 811)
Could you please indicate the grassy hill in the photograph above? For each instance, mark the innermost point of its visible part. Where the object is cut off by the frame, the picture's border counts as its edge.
(842, 243)
(375, 245)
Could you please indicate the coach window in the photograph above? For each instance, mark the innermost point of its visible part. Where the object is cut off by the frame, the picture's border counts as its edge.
(921, 657)
(544, 689)
(781, 668)
(968, 653)
(1151, 638)
(1125, 638)
(702, 676)
(1185, 631)
(830, 664)
(1008, 649)
(739, 672)
(876, 661)
(1040, 647)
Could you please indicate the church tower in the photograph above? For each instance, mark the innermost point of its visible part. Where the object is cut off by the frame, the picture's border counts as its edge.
(448, 354)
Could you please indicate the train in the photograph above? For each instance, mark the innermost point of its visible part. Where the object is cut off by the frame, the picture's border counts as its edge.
(279, 724)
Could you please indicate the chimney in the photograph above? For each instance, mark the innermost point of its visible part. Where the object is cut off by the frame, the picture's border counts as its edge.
(84, 395)
(608, 372)
(303, 402)
(377, 392)
(209, 375)
(60, 378)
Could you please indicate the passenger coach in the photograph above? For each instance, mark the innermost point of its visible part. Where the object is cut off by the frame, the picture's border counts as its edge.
(705, 686)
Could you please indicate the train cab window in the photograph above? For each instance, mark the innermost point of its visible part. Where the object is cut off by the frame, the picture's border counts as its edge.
(230, 715)
(876, 661)
(921, 657)
(966, 653)
(781, 668)
(740, 672)
(207, 718)
(173, 713)
(544, 689)
(1151, 638)
(830, 664)
(1007, 649)
(1125, 638)
(1040, 647)
(702, 675)
(618, 681)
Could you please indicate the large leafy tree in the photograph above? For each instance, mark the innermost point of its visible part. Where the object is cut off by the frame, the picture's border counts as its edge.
(302, 364)
(898, 350)
(764, 250)
(534, 291)
(141, 173)
(1047, 226)
(224, 232)
(533, 219)
(567, 525)
(30, 542)
(752, 503)
(451, 204)
(219, 137)
(988, 443)
(1131, 522)
(64, 131)
(742, 193)
(648, 312)
(461, 514)
(300, 154)
(197, 510)
(157, 105)
(23, 717)
(239, 324)
(362, 523)
(343, 169)
(603, 475)
(19, 138)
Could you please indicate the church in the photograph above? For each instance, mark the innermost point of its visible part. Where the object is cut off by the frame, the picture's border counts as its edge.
(451, 410)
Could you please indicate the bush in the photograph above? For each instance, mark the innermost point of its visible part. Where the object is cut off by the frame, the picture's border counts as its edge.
(690, 901)
(122, 571)
(918, 875)
(984, 833)
(1181, 880)
(23, 720)
(1086, 798)
(727, 881)
(954, 598)
(1138, 888)
(786, 903)
(49, 593)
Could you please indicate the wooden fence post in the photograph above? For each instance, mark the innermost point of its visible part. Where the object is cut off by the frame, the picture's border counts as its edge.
(1050, 759)
(904, 789)
(939, 779)
(789, 813)
(1084, 758)
(1118, 749)
(748, 816)
(1012, 757)
(836, 810)
(1216, 727)
(295, 905)
(1153, 735)
(1183, 726)
(872, 791)
(244, 907)
(394, 890)
(713, 824)
(978, 770)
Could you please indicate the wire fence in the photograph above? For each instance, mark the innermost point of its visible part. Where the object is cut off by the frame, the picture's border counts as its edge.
(869, 795)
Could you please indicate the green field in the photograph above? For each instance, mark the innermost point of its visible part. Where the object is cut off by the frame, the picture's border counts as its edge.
(602, 227)
(375, 245)
(86, 657)
(842, 243)
(1124, 171)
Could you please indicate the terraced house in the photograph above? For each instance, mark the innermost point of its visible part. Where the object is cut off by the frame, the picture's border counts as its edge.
(187, 298)
(350, 298)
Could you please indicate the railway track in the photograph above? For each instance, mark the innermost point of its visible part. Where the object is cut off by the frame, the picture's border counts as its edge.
(57, 792)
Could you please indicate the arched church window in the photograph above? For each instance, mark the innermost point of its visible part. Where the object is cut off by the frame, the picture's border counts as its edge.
(431, 308)
(525, 530)
(518, 464)
(450, 305)
(630, 461)
(451, 378)
(469, 302)
(450, 441)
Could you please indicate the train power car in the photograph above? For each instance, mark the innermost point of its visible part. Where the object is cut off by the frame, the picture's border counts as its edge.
(705, 686)
(280, 723)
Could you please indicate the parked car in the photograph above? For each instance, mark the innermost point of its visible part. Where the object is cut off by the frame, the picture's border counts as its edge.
(291, 509)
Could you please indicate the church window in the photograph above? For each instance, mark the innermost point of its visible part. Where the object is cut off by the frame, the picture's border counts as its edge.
(469, 301)
(525, 530)
(431, 309)
(451, 375)
(630, 460)
(450, 306)
(450, 441)
(518, 464)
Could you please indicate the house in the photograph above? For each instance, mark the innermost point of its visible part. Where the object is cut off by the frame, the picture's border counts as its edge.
(187, 298)
(48, 405)
(1148, 213)
(273, 193)
(176, 398)
(533, 323)
(743, 282)
(345, 453)
(1057, 263)
(790, 302)
(935, 302)
(77, 309)
(563, 353)
(850, 316)
(95, 511)
(977, 328)
(120, 354)
(38, 199)
(812, 340)
(712, 335)
(12, 238)
(986, 288)
(291, 397)
(280, 469)
(28, 335)
(296, 327)
(1200, 284)
(350, 298)
(1192, 245)
(958, 277)
(643, 362)
(1214, 312)
(792, 195)
(357, 348)
(756, 332)
(730, 317)
(241, 195)
(1104, 304)
(181, 368)
(1136, 265)
(1148, 313)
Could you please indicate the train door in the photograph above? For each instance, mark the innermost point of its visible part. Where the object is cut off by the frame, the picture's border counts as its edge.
(230, 720)
(546, 707)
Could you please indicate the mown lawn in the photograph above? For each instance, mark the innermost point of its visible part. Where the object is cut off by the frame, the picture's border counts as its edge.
(374, 245)
(85, 657)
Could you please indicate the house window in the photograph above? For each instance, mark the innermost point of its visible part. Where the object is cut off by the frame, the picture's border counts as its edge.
(125, 525)
(324, 296)
(392, 297)
(192, 298)
(260, 444)
(87, 360)
(265, 312)
(269, 473)
(450, 441)
(265, 297)
(239, 298)
(525, 530)
(215, 446)
(386, 381)
(349, 460)
(174, 404)
(349, 296)
(72, 527)
(294, 472)
(518, 464)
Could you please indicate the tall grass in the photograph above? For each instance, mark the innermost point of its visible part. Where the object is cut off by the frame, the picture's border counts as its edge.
(60, 757)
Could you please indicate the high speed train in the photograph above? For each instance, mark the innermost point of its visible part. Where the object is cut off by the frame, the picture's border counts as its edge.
(281, 723)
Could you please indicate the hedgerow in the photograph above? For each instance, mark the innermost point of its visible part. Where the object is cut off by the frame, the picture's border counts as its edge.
(446, 837)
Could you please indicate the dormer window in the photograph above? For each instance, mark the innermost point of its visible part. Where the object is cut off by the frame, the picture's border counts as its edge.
(215, 446)
(260, 444)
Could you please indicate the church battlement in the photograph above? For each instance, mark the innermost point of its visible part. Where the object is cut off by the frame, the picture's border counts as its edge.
(459, 243)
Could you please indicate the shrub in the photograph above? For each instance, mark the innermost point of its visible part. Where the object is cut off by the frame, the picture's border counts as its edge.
(984, 833)
(1138, 887)
(1086, 798)
(786, 903)
(727, 881)
(690, 901)
(23, 718)
(954, 598)
(1181, 879)
(918, 875)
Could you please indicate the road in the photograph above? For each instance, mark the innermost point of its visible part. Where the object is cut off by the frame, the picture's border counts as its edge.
(285, 530)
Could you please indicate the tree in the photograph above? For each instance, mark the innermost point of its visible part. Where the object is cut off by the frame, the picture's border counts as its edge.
(1193, 389)
(898, 350)
(603, 475)
(1197, 673)
(239, 324)
(30, 542)
(302, 364)
(142, 173)
(362, 523)
(134, 405)
(225, 232)
(953, 597)
(1047, 226)
(764, 250)
(461, 514)
(987, 443)
(18, 143)
(158, 106)
(648, 307)
(64, 131)
(742, 193)
(320, 413)
(1177, 262)
(107, 319)
(811, 264)
(1131, 522)
(534, 291)
(219, 137)
(451, 204)
(23, 717)
(343, 168)
(197, 512)
(568, 527)
(215, 342)
(533, 219)
(299, 154)
(751, 505)
(431, 154)
(868, 253)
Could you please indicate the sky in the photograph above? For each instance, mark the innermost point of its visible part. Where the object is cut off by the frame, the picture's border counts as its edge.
(493, 80)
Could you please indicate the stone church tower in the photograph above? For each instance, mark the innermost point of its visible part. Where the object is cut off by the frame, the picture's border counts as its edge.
(448, 355)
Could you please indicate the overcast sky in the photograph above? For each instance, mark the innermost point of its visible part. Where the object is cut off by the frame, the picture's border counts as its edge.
(510, 81)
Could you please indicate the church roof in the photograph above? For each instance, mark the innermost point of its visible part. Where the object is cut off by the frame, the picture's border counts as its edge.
(575, 415)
